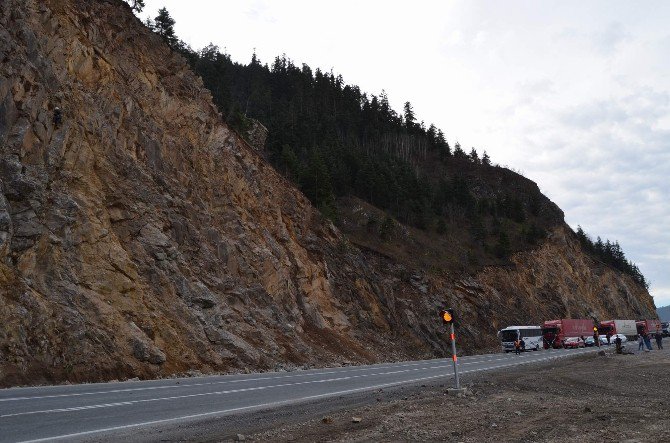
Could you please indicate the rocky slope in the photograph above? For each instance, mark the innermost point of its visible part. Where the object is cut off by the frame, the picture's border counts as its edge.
(142, 237)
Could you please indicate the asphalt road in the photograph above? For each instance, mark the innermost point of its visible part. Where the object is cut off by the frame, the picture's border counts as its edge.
(110, 411)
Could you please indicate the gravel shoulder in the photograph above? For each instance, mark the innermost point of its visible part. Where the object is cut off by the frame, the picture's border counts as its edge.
(586, 398)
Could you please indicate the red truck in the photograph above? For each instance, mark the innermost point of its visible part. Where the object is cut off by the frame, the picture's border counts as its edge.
(555, 332)
(613, 327)
(645, 327)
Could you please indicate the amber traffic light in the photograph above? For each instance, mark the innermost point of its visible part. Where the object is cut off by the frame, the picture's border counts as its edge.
(447, 316)
(595, 329)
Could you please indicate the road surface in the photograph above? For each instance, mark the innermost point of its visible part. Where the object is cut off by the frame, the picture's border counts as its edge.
(108, 411)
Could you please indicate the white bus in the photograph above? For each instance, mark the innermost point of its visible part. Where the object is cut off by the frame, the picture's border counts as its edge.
(531, 335)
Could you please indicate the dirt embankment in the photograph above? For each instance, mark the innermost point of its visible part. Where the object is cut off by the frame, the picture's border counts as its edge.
(585, 399)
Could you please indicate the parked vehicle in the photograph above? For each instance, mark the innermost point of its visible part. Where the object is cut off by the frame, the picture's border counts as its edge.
(531, 335)
(589, 342)
(613, 327)
(645, 327)
(555, 332)
(573, 343)
(665, 328)
(603, 339)
(623, 338)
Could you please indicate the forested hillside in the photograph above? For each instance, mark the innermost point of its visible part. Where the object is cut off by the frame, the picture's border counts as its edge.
(334, 140)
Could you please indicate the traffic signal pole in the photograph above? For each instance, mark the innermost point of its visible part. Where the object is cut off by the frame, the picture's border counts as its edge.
(454, 357)
(448, 319)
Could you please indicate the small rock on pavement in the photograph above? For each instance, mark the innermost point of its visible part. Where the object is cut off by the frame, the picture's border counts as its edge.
(518, 413)
(356, 419)
(326, 420)
(587, 409)
(240, 437)
(602, 353)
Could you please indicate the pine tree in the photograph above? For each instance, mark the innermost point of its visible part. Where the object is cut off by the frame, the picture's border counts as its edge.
(474, 157)
(409, 117)
(486, 160)
(136, 5)
(599, 246)
(317, 185)
(432, 134)
(459, 152)
(443, 146)
(164, 26)
(291, 163)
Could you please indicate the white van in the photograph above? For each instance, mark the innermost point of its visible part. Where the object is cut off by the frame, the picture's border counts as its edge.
(532, 336)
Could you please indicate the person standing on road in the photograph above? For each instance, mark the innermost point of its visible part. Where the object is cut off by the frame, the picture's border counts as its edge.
(523, 345)
(517, 346)
(596, 338)
(609, 338)
(647, 341)
(640, 342)
(659, 339)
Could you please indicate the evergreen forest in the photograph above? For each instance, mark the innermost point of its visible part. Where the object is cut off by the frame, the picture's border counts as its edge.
(333, 140)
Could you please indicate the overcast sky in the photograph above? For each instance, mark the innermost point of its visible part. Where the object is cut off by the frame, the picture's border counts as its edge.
(575, 95)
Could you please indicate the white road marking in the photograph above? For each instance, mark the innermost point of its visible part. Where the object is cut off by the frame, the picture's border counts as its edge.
(284, 402)
(280, 377)
(230, 391)
(255, 388)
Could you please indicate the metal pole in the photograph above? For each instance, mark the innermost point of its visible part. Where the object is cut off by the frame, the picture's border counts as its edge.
(453, 356)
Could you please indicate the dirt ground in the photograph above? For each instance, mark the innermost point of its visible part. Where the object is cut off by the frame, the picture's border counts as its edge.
(589, 398)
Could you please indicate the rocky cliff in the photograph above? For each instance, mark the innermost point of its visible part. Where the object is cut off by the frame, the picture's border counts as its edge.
(142, 237)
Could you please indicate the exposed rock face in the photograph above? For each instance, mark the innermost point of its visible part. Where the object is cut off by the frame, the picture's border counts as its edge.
(257, 135)
(142, 237)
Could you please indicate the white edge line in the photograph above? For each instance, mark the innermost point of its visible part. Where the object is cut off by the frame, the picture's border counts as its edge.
(280, 403)
(242, 380)
(253, 388)
(296, 372)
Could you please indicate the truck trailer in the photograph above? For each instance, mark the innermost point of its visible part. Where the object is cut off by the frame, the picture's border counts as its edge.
(645, 327)
(613, 327)
(555, 332)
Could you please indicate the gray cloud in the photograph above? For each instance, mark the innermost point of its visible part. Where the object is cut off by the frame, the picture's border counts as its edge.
(608, 40)
(609, 172)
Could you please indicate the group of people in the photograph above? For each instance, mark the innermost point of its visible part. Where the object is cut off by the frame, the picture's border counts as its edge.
(644, 340)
